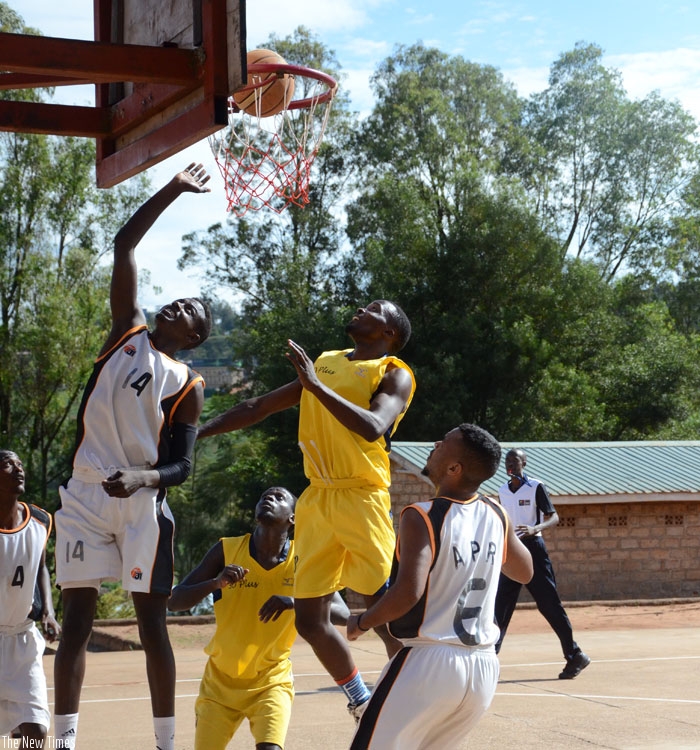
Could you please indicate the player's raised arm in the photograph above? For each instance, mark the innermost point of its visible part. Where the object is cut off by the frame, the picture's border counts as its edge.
(387, 404)
(126, 311)
(253, 410)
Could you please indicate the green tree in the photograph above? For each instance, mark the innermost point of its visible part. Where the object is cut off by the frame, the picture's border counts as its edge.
(55, 228)
(511, 329)
(606, 173)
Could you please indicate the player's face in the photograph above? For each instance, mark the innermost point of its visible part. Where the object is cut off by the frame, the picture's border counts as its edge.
(11, 473)
(183, 314)
(445, 453)
(373, 319)
(276, 504)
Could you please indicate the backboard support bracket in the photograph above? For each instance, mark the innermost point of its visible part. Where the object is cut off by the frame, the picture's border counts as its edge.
(162, 79)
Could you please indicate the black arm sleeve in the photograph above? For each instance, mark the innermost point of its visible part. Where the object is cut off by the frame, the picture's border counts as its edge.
(182, 443)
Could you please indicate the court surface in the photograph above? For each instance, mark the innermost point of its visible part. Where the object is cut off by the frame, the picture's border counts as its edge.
(642, 689)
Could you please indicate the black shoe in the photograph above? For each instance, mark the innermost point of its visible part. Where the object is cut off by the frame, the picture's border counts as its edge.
(574, 666)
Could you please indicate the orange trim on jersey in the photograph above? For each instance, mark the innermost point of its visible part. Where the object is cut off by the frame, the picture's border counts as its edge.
(49, 527)
(188, 388)
(505, 518)
(425, 518)
(462, 502)
(135, 329)
(28, 518)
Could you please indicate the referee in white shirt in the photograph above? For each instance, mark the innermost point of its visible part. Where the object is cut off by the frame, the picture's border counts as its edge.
(530, 508)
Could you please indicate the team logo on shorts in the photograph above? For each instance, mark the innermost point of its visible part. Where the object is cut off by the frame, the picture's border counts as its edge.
(136, 574)
(130, 350)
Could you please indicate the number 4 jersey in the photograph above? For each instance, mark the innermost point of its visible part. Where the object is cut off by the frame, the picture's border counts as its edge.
(20, 555)
(468, 540)
(126, 412)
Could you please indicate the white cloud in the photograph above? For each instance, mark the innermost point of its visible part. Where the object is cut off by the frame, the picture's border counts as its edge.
(674, 73)
(527, 80)
(366, 48)
(473, 27)
(283, 17)
(420, 20)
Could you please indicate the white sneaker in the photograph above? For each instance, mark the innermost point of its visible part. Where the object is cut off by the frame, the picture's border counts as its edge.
(357, 711)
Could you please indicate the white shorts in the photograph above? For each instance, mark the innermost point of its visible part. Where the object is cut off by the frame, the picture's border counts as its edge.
(102, 538)
(428, 696)
(23, 697)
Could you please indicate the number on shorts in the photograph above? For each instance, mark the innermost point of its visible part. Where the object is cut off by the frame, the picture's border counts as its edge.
(464, 613)
(78, 551)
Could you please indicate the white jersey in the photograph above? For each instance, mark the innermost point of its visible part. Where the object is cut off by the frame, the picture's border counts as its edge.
(522, 506)
(126, 413)
(468, 540)
(20, 556)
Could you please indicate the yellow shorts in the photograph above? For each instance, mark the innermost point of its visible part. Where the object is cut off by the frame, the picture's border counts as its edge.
(343, 537)
(268, 709)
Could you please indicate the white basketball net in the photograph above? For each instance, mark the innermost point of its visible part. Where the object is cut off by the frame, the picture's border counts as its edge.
(266, 161)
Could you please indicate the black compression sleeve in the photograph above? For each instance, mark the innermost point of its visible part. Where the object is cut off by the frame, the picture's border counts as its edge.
(182, 443)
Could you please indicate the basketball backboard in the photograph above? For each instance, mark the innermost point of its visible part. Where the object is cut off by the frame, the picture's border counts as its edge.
(163, 72)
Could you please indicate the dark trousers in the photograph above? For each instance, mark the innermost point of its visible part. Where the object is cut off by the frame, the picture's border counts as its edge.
(543, 588)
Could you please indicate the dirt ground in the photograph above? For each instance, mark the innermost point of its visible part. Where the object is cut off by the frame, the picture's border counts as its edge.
(641, 691)
(602, 617)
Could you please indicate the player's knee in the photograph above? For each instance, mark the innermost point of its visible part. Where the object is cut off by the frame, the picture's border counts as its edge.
(76, 631)
(311, 626)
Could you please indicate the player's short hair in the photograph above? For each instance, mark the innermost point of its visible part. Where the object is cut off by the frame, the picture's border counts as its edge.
(401, 323)
(6, 453)
(204, 324)
(482, 452)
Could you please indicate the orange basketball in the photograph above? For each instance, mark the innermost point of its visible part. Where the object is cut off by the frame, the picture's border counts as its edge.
(275, 93)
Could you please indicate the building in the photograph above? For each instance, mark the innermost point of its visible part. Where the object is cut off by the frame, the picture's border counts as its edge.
(629, 513)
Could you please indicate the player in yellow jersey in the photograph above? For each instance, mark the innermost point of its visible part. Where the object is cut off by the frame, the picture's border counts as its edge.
(351, 402)
(249, 674)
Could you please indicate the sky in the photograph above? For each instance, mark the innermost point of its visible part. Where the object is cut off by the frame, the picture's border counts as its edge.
(655, 46)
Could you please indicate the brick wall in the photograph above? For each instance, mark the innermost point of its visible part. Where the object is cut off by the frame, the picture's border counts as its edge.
(635, 550)
(605, 551)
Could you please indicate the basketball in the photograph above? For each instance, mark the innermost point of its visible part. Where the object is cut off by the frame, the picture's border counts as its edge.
(273, 95)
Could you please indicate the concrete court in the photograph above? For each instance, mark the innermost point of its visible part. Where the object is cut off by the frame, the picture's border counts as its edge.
(641, 691)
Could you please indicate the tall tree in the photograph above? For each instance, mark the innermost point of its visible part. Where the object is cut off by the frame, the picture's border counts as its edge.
(55, 228)
(607, 173)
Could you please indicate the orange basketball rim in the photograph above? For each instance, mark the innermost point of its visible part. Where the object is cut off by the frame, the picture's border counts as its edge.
(265, 159)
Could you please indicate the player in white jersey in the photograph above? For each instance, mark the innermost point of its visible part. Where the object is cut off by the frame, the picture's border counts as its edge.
(136, 433)
(449, 554)
(24, 531)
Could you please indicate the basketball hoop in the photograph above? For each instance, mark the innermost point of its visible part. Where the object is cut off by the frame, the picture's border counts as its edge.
(266, 161)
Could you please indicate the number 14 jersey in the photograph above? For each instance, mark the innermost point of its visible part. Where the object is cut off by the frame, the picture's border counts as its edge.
(126, 412)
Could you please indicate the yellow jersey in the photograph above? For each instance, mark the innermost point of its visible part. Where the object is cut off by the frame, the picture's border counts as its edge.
(244, 650)
(333, 454)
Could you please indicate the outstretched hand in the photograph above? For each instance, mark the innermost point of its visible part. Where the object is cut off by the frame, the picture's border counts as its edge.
(193, 179)
(302, 364)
